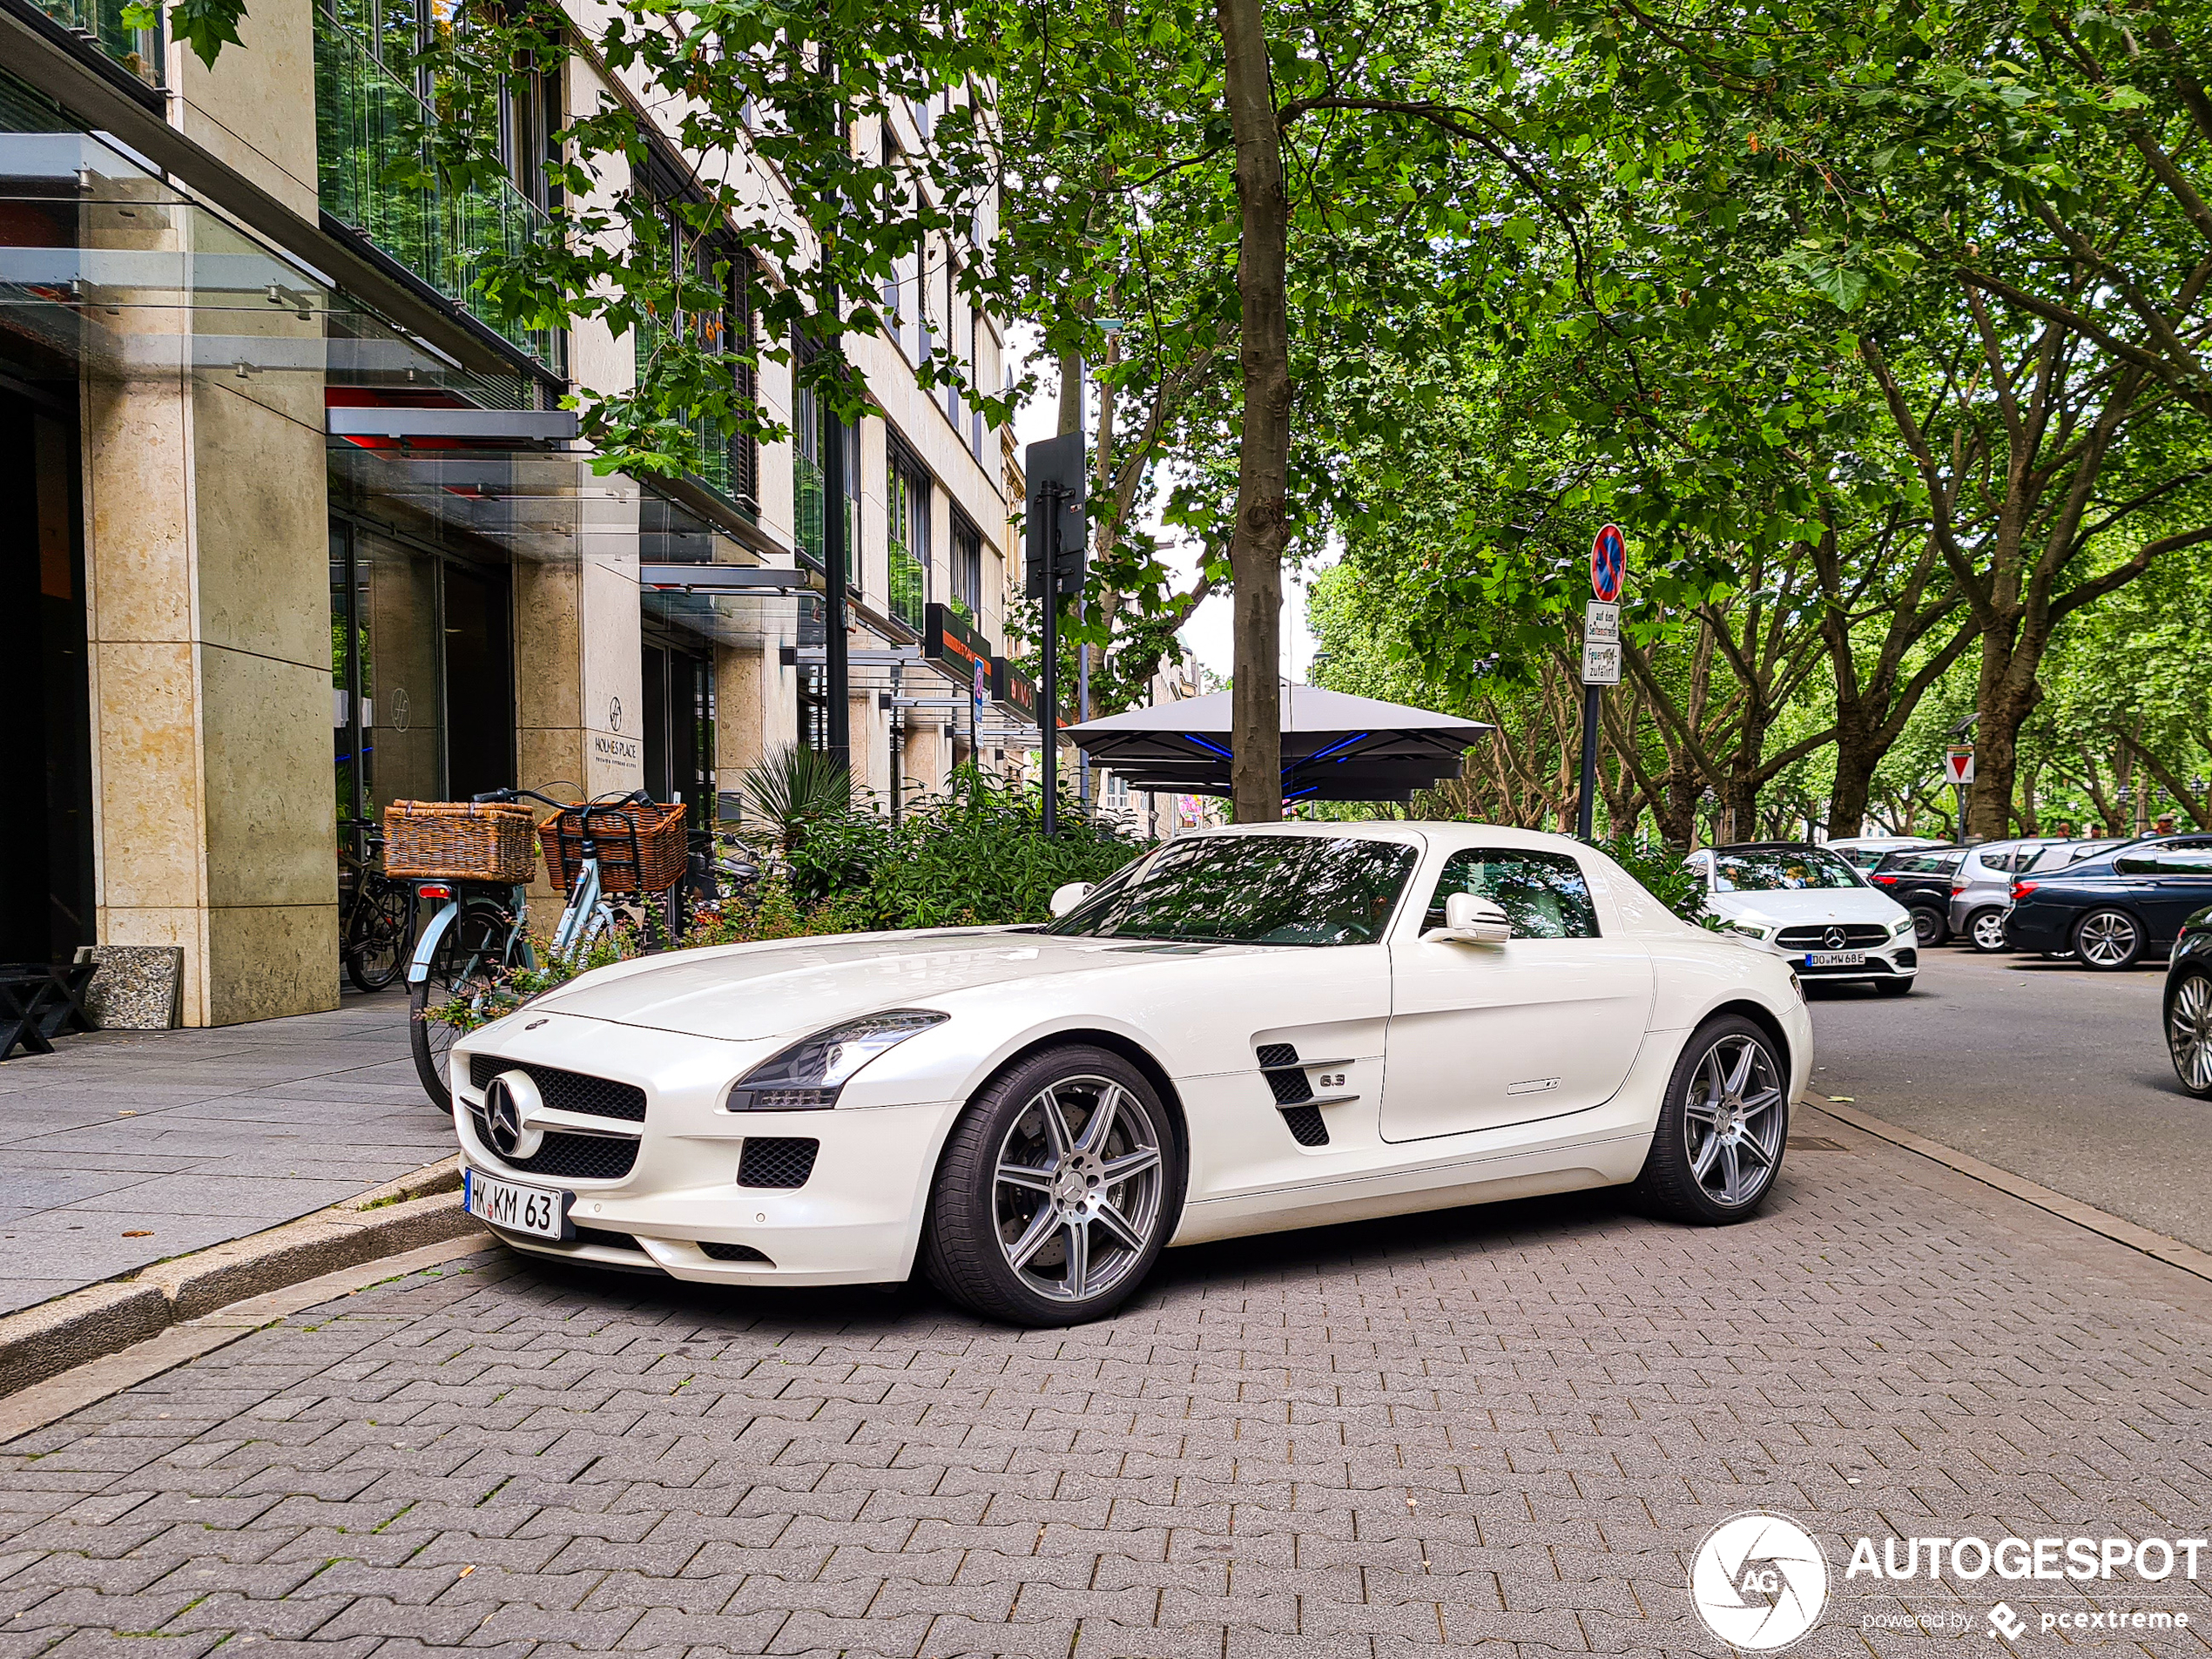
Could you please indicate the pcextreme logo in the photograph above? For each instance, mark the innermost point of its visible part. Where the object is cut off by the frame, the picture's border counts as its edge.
(1758, 1581)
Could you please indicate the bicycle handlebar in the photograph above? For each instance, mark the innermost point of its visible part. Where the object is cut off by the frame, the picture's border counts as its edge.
(636, 797)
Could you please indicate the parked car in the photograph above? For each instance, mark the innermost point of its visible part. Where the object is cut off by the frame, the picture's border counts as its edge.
(1802, 901)
(2188, 1004)
(1981, 890)
(1921, 882)
(2114, 910)
(1193, 1050)
(1864, 852)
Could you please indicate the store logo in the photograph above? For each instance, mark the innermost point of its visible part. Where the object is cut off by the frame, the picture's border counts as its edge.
(1759, 1581)
(400, 708)
(614, 714)
(2005, 1624)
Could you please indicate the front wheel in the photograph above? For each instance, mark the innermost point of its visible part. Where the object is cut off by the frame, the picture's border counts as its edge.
(1057, 1192)
(1930, 926)
(2189, 1032)
(466, 970)
(2108, 940)
(1897, 985)
(1986, 931)
(1721, 1127)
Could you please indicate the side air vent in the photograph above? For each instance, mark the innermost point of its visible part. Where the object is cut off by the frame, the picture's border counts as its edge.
(734, 1253)
(1287, 1081)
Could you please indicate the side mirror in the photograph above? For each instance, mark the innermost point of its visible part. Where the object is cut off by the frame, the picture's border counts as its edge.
(1470, 918)
(1067, 897)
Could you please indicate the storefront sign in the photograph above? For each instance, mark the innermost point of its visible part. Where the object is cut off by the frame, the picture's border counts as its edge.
(1014, 692)
(951, 645)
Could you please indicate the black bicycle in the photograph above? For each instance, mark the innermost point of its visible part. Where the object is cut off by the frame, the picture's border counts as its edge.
(376, 928)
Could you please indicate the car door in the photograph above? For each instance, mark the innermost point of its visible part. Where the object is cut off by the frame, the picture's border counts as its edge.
(1481, 1036)
(2169, 882)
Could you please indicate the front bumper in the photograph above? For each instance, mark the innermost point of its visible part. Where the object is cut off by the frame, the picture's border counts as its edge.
(854, 1219)
(1898, 959)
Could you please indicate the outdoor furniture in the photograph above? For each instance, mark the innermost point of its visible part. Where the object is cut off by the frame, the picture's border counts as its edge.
(40, 1002)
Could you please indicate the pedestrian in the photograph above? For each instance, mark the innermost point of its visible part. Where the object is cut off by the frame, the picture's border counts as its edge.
(2065, 830)
(2165, 826)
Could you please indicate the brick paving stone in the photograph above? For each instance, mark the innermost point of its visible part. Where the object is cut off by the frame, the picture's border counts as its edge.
(1506, 1426)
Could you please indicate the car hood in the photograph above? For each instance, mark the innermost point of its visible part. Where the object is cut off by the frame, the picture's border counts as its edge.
(743, 993)
(1787, 908)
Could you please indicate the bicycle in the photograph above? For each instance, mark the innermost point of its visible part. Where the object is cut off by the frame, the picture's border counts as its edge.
(377, 928)
(480, 934)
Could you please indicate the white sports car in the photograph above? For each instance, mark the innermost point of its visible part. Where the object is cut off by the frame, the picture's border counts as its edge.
(1245, 1030)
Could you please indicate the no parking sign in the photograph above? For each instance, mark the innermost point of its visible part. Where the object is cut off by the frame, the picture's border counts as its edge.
(1608, 564)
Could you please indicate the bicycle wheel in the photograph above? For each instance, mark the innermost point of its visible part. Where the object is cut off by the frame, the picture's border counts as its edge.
(465, 969)
(378, 934)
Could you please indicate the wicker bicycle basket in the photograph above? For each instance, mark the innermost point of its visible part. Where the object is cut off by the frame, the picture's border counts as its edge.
(458, 841)
(642, 849)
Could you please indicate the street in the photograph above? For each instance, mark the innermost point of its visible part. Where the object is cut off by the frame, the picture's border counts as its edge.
(2040, 1067)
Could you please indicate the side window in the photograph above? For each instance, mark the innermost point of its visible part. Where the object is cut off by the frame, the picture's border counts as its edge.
(2167, 860)
(1545, 895)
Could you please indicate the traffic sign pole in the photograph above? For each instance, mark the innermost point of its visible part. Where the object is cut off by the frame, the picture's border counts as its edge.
(1601, 658)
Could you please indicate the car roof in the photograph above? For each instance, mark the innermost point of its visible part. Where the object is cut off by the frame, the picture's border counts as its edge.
(1770, 847)
(1448, 831)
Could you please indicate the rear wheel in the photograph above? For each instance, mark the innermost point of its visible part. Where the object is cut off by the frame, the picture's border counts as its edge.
(1930, 926)
(2108, 940)
(1986, 930)
(2188, 1031)
(1721, 1127)
(466, 970)
(1057, 1192)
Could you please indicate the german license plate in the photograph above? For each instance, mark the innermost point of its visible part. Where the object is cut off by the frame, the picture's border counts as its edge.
(1834, 959)
(516, 1208)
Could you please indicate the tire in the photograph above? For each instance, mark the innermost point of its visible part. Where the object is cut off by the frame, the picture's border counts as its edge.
(1069, 1239)
(1672, 1184)
(378, 937)
(1930, 925)
(1900, 985)
(2108, 941)
(467, 966)
(1985, 931)
(2188, 1031)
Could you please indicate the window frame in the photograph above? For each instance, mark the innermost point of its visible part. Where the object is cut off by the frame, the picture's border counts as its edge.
(1431, 914)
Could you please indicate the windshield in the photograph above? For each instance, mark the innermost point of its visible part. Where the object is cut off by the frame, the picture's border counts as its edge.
(1770, 870)
(1252, 890)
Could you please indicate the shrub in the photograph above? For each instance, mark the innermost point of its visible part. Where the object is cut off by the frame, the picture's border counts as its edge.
(1663, 872)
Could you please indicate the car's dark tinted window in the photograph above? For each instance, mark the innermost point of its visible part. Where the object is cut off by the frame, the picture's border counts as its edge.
(1545, 895)
(1253, 890)
(1771, 869)
(1921, 863)
(2184, 859)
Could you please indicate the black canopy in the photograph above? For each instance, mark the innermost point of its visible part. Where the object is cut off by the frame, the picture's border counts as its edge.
(1335, 746)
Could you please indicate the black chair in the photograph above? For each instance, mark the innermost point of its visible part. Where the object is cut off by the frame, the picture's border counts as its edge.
(40, 1002)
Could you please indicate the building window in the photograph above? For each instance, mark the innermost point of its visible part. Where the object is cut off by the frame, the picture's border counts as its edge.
(809, 485)
(907, 497)
(968, 571)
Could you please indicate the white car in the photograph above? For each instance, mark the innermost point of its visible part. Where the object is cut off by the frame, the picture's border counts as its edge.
(1245, 1030)
(1805, 903)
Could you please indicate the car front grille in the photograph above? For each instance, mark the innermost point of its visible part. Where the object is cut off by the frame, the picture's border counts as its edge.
(566, 1092)
(1857, 935)
(571, 1157)
(776, 1160)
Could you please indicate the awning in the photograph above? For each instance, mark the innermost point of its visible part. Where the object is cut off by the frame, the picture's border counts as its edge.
(1335, 746)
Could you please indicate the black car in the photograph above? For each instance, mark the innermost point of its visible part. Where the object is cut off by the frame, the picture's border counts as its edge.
(2113, 910)
(2188, 1005)
(1919, 878)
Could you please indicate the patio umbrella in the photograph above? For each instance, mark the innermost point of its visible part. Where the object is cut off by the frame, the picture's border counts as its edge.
(1335, 746)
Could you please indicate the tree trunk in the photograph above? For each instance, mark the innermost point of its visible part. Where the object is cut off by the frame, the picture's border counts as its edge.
(1263, 448)
(2006, 694)
(1855, 759)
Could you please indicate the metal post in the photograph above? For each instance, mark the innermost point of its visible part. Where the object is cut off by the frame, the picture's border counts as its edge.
(1049, 710)
(835, 670)
(1585, 813)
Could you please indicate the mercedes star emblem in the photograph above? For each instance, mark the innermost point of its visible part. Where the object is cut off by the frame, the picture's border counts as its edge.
(1834, 939)
(511, 1105)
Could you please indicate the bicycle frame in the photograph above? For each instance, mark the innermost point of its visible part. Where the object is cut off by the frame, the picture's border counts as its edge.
(435, 930)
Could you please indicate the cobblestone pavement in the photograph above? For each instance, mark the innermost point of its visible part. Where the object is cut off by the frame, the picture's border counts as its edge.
(1508, 1425)
(124, 1148)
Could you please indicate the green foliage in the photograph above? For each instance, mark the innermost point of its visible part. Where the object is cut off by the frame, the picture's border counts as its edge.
(1662, 872)
(792, 789)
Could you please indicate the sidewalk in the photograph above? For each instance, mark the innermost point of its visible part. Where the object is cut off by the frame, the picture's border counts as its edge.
(126, 1148)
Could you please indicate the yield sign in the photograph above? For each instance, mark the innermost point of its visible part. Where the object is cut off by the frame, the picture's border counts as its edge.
(1959, 767)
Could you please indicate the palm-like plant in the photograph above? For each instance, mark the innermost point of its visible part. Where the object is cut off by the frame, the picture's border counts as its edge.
(791, 788)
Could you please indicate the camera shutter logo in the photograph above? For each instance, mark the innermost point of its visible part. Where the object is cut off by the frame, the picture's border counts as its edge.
(1758, 1581)
(511, 1105)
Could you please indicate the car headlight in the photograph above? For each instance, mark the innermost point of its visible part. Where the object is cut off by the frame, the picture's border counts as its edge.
(1901, 929)
(810, 1074)
(1747, 930)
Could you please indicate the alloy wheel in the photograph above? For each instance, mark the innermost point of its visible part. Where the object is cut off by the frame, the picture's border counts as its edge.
(1077, 1187)
(2106, 939)
(2188, 1031)
(1989, 930)
(1733, 1120)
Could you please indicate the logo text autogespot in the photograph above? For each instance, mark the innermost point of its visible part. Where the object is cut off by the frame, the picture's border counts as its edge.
(2080, 1559)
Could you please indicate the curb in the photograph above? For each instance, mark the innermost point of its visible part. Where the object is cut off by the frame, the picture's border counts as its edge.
(103, 1319)
(2119, 1229)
